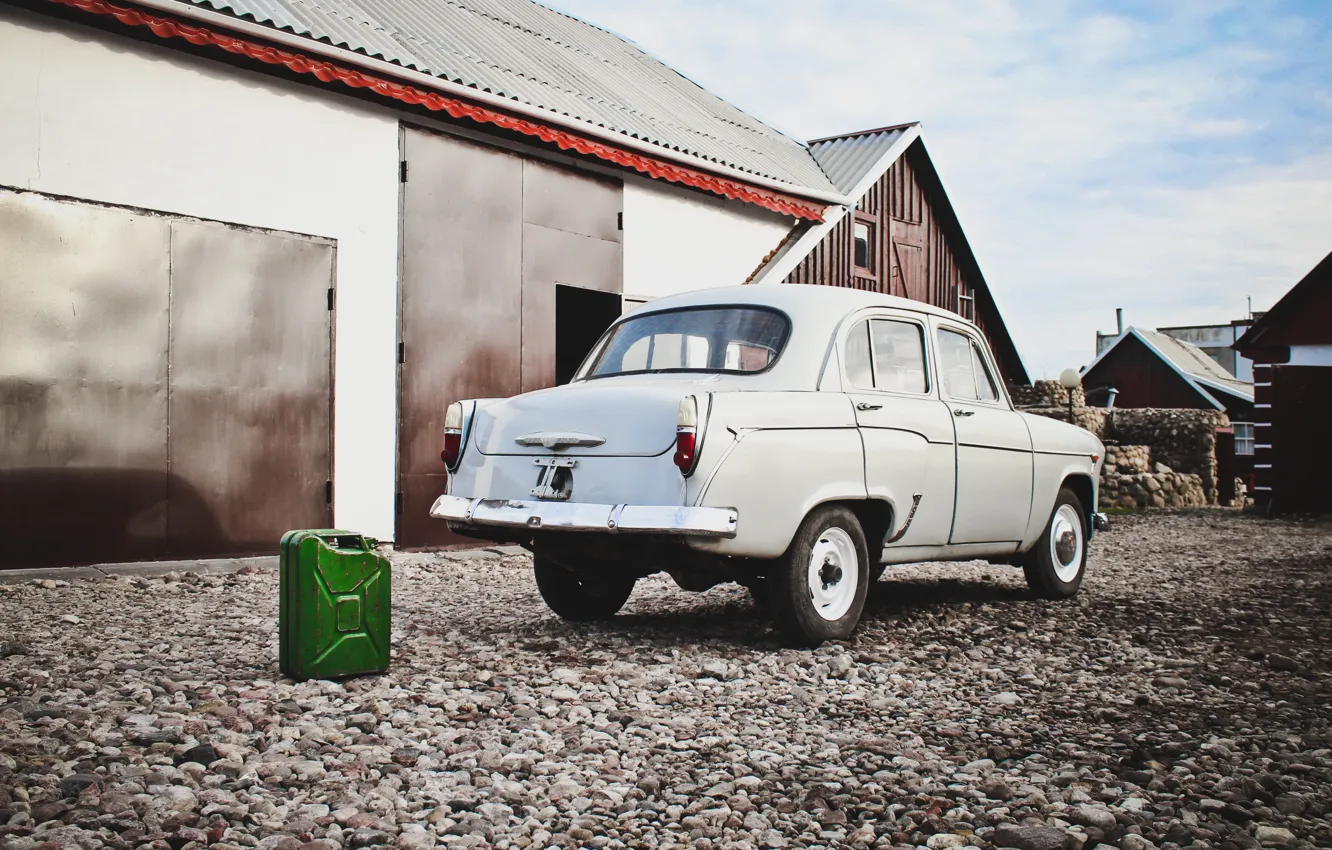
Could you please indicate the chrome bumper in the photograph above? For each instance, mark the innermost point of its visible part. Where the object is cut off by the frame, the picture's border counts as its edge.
(581, 516)
(1100, 522)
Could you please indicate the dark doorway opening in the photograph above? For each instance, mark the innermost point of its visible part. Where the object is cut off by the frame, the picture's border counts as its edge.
(581, 317)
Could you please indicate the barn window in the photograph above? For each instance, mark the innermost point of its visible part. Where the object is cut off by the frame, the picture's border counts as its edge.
(864, 246)
(966, 303)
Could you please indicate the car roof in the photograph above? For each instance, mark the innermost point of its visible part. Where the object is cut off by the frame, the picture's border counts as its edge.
(815, 311)
(816, 302)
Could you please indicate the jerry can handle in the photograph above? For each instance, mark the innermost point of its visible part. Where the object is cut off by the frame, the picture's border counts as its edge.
(349, 540)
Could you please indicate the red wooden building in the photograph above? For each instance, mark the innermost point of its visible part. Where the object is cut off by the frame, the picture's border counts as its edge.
(901, 237)
(1291, 349)
(1150, 369)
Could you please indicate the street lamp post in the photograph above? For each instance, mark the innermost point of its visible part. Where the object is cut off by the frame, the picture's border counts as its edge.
(1070, 380)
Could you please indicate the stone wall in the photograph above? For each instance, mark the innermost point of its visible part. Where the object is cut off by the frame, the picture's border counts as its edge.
(1094, 419)
(1045, 394)
(1130, 479)
(1183, 442)
(1128, 460)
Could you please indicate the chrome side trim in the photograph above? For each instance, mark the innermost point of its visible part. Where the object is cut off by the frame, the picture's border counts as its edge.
(583, 516)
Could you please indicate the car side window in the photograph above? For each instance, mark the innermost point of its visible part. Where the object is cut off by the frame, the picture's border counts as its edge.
(858, 369)
(963, 370)
(985, 387)
(955, 369)
(899, 356)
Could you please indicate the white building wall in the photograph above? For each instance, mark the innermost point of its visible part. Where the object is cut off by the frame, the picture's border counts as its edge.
(101, 118)
(677, 240)
(1310, 355)
(107, 119)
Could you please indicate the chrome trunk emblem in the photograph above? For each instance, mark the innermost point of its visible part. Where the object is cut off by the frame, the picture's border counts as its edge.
(560, 440)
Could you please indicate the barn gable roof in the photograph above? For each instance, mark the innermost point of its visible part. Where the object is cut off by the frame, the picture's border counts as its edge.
(856, 159)
(1202, 373)
(1288, 310)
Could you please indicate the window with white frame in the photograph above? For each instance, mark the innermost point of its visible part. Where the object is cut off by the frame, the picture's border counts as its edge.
(1243, 438)
(965, 303)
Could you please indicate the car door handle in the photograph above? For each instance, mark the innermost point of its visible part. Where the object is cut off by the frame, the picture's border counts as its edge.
(865, 405)
(960, 412)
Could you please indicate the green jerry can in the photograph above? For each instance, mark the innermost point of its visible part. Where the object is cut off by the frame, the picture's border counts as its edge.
(333, 605)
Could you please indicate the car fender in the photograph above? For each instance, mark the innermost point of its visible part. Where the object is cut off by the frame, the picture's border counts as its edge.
(774, 477)
(1050, 472)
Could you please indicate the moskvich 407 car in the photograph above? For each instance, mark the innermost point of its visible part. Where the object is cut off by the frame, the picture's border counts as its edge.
(795, 439)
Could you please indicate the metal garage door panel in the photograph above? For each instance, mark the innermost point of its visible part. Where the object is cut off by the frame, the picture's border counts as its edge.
(553, 257)
(250, 387)
(573, 201)
(83, 373)
(460, 305)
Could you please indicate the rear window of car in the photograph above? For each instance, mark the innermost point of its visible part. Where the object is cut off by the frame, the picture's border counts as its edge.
(709, 339)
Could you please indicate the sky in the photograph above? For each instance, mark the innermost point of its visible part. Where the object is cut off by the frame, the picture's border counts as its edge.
(1172, 159)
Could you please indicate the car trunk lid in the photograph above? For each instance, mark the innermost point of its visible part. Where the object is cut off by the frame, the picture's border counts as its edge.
(607, 417)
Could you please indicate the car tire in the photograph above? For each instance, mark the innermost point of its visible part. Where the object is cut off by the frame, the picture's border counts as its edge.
(816, 591)
(580, 596)
(1057, 564)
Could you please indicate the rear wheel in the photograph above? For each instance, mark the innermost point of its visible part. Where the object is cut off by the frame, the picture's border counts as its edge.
(817, 589)
(1057, 564)
(580, 595)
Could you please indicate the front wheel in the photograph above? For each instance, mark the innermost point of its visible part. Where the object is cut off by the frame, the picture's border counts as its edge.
(580, 596)
(817, 589)
(1057, 564)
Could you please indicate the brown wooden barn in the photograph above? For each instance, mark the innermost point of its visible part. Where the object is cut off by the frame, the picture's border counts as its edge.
(901, 238)
(1291, 349)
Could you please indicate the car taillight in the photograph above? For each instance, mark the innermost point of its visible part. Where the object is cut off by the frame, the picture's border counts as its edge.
(453, 433)
(686, 435)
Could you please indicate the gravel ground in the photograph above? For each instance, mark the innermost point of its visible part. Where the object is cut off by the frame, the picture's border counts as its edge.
(1182, 700)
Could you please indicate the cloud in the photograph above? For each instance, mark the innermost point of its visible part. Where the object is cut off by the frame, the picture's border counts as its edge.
(1170, 159)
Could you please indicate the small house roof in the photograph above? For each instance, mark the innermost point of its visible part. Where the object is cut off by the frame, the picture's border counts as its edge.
(1201, 372)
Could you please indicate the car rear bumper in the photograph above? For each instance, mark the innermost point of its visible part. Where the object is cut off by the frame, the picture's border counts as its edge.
(582, 516)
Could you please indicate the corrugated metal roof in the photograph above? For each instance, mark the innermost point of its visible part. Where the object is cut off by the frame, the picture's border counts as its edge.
(848, 159)
(522, 50)
(1194, 362)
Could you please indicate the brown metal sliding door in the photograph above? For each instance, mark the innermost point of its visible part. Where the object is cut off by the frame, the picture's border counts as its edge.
(486, 237)
(460, 306)
(250, 388)
(164, 384)
(84, 294)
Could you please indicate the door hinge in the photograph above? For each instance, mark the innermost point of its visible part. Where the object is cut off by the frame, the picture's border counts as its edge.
(397, 503)
(328, 492)
(330, 298)
(402, 171)
(402, 352)
(619, 221)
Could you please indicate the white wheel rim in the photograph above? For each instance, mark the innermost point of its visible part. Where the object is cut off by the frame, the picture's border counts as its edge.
(1066, 543)
(833, 574)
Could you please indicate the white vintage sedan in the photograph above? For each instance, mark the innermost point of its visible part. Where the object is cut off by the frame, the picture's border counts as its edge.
(795, 439)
